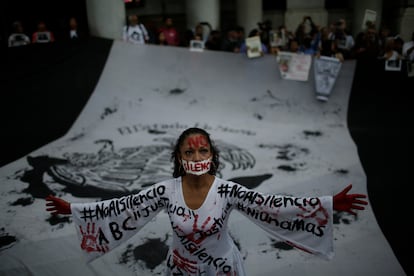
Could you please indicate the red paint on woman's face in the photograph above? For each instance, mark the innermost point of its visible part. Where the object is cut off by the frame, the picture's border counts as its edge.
(197, 141)
(195, 148)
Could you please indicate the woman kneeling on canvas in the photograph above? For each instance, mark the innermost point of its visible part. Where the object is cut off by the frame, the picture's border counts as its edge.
(199, 205)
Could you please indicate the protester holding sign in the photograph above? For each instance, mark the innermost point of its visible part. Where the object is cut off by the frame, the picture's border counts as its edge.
(42, 34)
(199, 205)
(18, 37)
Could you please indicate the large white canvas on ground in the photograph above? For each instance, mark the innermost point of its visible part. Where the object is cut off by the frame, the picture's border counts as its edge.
(273, 134)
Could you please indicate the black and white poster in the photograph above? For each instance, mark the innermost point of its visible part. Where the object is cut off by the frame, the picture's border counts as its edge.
(326, 70)
(293, 66)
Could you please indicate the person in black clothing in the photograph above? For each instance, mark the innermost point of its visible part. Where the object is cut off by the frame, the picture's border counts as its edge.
(74, 33)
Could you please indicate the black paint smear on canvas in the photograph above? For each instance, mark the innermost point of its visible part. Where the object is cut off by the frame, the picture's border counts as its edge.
(274, 101)
(315, 133)
(258, 116)
(6, 239)
(156, 131)
(38, 189)
(251, 182)
(54, 220)
(291, 168)
(281, 245)
(152, 253)
(287, 168)
(76, 137)
(236, 242)
(177, 91)
(41, 164)
(286, 152)
(108, 111)
(23, 201)
(341, 171)
(80, 191)
(336, 111)
(340, 217)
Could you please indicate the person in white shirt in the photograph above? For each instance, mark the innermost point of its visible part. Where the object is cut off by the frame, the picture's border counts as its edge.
(199, 204)
(18, 37)
(135, 32)
(389, 50)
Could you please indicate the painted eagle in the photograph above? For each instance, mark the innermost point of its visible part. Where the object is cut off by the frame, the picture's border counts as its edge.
(108, 172)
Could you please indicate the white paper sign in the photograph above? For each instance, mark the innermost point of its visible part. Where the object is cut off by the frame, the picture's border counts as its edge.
(254, 47)
(326, 70)
(196, 45)
(393, 65)
(371, 16)
(294, 66)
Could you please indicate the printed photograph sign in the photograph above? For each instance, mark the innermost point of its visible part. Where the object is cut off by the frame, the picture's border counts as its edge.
(254, 47)
(326, 70)
(294, 66)
(369, 16)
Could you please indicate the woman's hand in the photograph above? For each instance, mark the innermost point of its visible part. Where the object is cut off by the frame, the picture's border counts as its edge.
(57, 206)
(347, 202)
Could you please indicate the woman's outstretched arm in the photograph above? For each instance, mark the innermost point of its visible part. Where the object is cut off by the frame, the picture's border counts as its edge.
(348, 202)
(57, 206)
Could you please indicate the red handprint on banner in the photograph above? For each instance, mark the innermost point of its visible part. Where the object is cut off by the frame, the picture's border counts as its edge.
(199, 234)
(184, 263)
(90, 239)
(319, 213)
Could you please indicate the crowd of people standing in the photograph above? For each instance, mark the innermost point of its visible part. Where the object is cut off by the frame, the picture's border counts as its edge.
(334, 40)
(42, 34)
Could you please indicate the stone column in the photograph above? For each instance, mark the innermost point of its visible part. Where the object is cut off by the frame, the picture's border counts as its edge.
(106, 18)
(202, 11)
(297, 9)
(407, 24)
(249, 13)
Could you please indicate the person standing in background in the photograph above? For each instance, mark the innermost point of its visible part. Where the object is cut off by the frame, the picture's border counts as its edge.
(42, 34)
(170, 32)
(134, 31)
(73, 32)
(18, 37)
